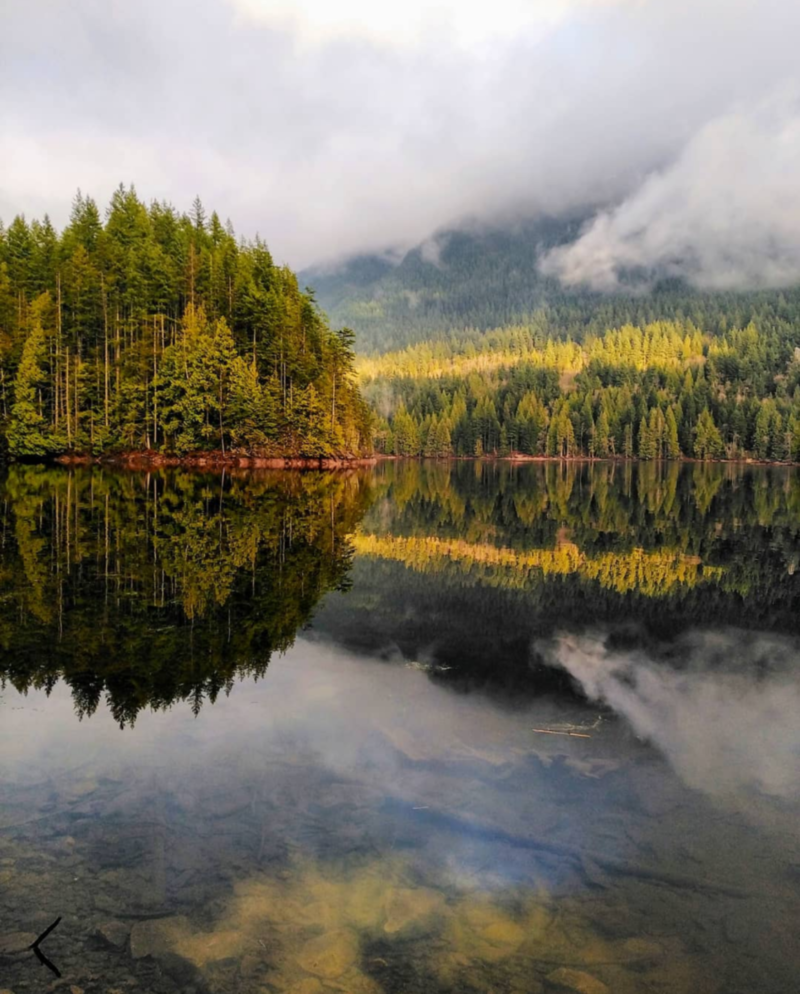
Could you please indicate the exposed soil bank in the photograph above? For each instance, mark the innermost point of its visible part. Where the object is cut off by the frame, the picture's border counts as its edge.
(215, 460)
(238, 460)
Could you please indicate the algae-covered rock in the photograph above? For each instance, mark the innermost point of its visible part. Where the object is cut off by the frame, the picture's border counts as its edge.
(411, 910)
(158, 936)
(15, 944)
(577, 980)
(310, 985)
(638, 950)
(329, 955)
(504, 933)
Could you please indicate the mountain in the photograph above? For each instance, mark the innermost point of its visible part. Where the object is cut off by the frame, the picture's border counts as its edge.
(464, 282)
(468, 349)
(474, 277)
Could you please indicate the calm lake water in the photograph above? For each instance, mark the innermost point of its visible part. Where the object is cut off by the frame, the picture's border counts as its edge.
(424, 728)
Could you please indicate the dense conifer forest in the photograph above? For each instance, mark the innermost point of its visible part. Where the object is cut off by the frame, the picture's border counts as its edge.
(664, 391)
(469, 350)
(149, 329)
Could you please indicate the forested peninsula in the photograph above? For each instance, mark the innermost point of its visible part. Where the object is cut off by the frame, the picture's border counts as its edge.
(158, 333)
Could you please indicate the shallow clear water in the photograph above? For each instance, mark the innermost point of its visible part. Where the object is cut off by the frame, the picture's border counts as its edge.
(541, 734)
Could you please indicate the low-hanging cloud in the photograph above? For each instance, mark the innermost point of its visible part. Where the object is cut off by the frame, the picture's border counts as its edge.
(329, 130)
(724, 215)
(726, 718)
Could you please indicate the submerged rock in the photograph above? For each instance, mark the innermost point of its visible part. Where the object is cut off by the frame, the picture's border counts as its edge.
(410, 911)
(308, 986)
(504, 933)
(577, 980)
(182, 971)
(113, 934)
(329, 955)
(15, 944)
(158, 936)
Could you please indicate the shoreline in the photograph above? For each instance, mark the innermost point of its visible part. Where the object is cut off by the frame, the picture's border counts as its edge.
(213, 460)
(519, 457)
(145, 460)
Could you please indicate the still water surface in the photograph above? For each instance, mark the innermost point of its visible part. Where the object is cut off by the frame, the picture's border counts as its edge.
(427, 728)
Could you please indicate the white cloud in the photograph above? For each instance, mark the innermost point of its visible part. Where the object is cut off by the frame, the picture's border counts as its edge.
(353, 127)
(724, 215)
(468, 23)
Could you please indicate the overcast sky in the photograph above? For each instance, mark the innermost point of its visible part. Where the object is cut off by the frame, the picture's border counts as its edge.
(332, 126)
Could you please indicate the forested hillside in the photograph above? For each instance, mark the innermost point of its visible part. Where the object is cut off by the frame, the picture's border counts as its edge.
(463, 283)
(148, 329)
(467, 349)
(665, 390)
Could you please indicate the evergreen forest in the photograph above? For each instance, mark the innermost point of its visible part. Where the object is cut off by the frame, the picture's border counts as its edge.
(666, 390)
(148, 329)
(468, 348)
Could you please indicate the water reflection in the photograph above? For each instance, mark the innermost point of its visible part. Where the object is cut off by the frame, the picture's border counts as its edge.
(613, 808)
(152, 589)
(465, 567)
(726, 716)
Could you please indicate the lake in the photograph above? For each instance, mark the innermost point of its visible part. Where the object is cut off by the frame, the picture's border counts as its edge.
(428, 727)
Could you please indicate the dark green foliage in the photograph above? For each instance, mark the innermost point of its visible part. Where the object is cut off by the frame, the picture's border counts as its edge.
(148, 589)
(158, 330)
(659, 392)
(446, 565)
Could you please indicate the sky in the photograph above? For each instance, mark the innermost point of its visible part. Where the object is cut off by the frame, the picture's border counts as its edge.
(332, 127)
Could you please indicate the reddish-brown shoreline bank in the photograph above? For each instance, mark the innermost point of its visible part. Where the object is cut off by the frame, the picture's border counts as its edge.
(519, 457)
(215, 460)
(238, 460)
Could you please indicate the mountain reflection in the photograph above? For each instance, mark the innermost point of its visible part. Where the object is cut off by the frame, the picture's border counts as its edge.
(151, 589)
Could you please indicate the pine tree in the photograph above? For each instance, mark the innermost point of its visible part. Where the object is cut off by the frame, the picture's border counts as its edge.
(673, 446)
(602, 433)
(28, 433)
(646, 450)
(707, 441)
(505, 448)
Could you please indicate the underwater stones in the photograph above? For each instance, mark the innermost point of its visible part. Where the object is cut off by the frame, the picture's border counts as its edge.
(113, 934)
(157, 936)
(526, 985)
(310, 985)
(180, 969)
(639, 950)
(505, 933)
(329, 955)
(409, 911)
(219, 946)
(15, 944)
(577, 980)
